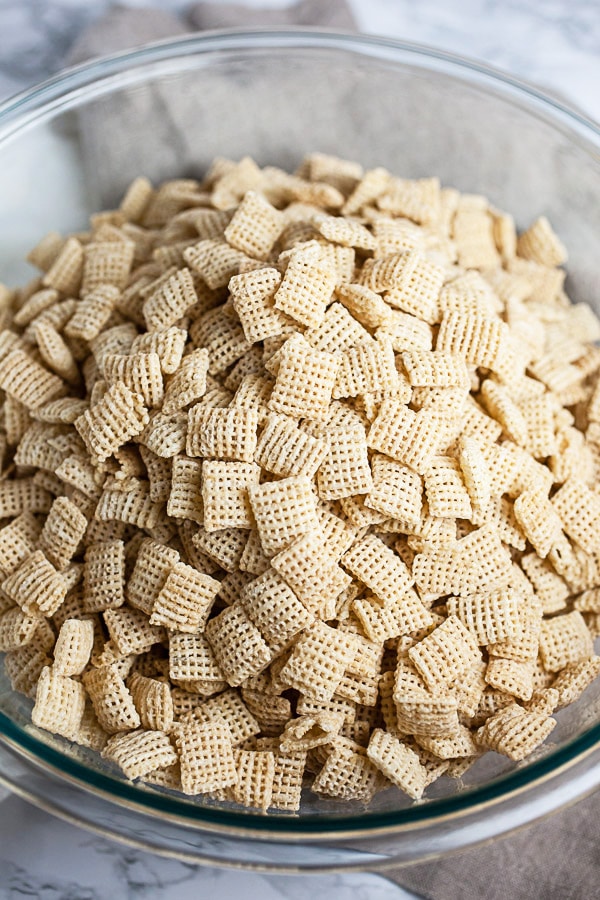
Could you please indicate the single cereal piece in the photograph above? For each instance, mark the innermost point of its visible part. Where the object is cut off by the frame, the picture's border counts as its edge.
(225, 493)
(365, 305)
(284, 449)
(27, 381)
(579, 511)
(412, 438)
(366, 367)
(153, 702)
(397, 762)
(395, 617)
(206, 756)
(306, 289)
(154, 562)
(67, 268)
(185, 497)
(511, 676)
(140, 752)
(131, 631)
(275, 609)
(434, 368)
(253, 296)
(170, 301)
(222, 433)
(192, 663)
(255, 776)
(310, 569)
(318, 661)
(539, 520)
(475, 337)
(141, 372)
(490, 616)
(17, 629)
(337, 332)
(445, 489)
(565, 640)
(188, 384)
(305, 381)
(59, 703)
(345, 470)
(515, 732)
(541, 244)
(63, 530)
(111, 699)
(397, 491)
(348, 775)
(237, 644)
(36, 586)
(114, 420)
(254, 227)
(379, 568)
(185, 600)
(73, 646)
(283, 510)
(449, 651)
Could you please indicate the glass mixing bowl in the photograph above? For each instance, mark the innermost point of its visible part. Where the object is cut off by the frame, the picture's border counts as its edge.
(70, 146)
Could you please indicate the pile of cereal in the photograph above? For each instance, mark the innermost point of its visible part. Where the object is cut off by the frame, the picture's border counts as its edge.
(299, 484)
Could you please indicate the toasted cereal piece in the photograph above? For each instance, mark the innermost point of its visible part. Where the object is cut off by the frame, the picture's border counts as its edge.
(397, 762)
(365, 305)
(106, 262)
(224, 547)
(318, 661)
(550, 588)
(393, 618)
(337, 332)
(412, 438)
(189, 383)
(153, 702)
(366, 367)
(215, 261)
(572, 681)
(16, 629)
(114, 420)
(345, 470)
(222, 433)
(206, 756)
(515, 732)
(308, 567)
(67, 268)
(476, 338)
(55, 353)
(283, 511)
(379, 568)
(136, 198)
(23, 495)
(397, 490)
(228, 707)
(132, 506)
(59, 703)
(92, 313)
(170, 301)
(345, 231)
(254, 559)
(222, 335)
(434, 368)
(306, 732)
(253, 296)
(511, 676)
(254, 227)
(225, 493)
(579, 510)
(153, 564)
(27, 381)
(73, 646)
(23, 665)
(306, 289)
(458, 746)
(165, 435)
(491, 617)
(478, 561)
(36, 586)
(18, 540)
(141, 372)
(284, 449)
(192, 662)
(255, 773)
(237, 644)
(254, 392)
(185, 600)
(348, 775)
(35, 305)
(539, 520)
(411, 283)
(588, 601)
(131, 631)
(275, 610)
(140, 752)
(287, 781)
(63, 530)
(476, 476)
(445, 489)
(565, 640)
(369, 188)
(167, 343)
(446, 653)
(305, 381)
(111, 699)
(541, 244)
(185, 498)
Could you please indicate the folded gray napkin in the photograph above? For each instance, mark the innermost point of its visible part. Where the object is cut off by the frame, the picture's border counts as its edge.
(557, 859)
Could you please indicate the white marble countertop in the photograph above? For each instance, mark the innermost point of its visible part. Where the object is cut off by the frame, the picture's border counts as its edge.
(556, 44)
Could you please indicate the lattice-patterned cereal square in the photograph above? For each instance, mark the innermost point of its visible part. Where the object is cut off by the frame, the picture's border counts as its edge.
(434, 368)
(192, 662)
(579, 510)
(253, 558)
(111, 699)
(229, 707)
(338, 535)
(473, 234)
(572, 681)
(169, 302)
(254, 392)
(287, 781)
(237, 644)
(16, 629)
(223, 337)
(206, 756)
(476, 476)
(140, 372)
(23, 495)
(36, 586)
(345, 470)
(539, 416)
(106, 262)
(565, 640)
(397, 762)
(515, 732)
(253, 299)
(365, 305)
(55, 352)
(418, 199)
(132, 506)
(27, 381)
(478, 339)
(189, 383)
(378, 567)
(222, 433)
(255, 773)
(541, 244)
(366, 367)
(307, 732)
(141, 752)
(283, 511)
(284, 449)
(215, 261)
(449, 651)
(395, 617)
(337, 332)
(539, 520)
(275, 610)
(224, 547)
(397, 490)
(73, 646)
(550, 588)
(59, 703)
(254, 227)
(461, 745)
(411, 282)
(63, 530)
(153, 563)
(348, 775)
(112, 422)
(67, 268)
(167, 343)
(185, 499)
(319, 660)
(412, 438)
(371, 185)
(185, 600)
(511, 676)
(491, 617)
(153, 702)
(306, 290)
(305, 381)
(524, 644)
(225, 493)
(131, 631)
(308, 567)
(445, 489)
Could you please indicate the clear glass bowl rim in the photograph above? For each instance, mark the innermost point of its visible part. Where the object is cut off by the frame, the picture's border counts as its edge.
(94, 78)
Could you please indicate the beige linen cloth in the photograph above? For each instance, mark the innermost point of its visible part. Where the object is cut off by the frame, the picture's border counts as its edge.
(555, 859)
